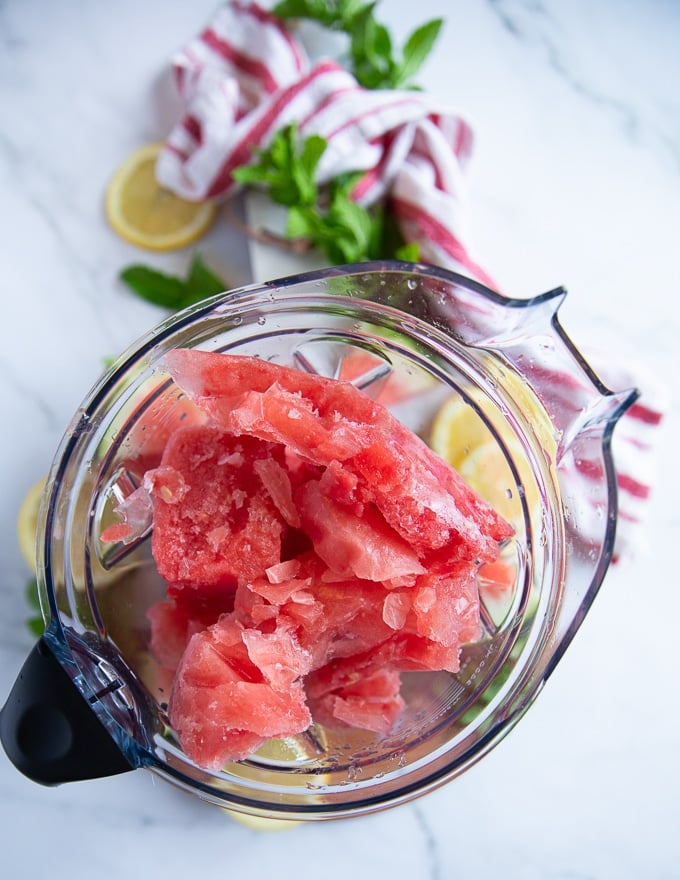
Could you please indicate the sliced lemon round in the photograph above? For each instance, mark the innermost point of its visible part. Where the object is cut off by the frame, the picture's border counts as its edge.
(460, 436)
(147, 214)
(27, 522)
(457, 432)
(262, 823)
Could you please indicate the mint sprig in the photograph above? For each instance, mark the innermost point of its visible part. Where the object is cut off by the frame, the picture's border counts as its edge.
(172, 292)
(327, 218)
(345, 231)
(372, 57)
(286, 168)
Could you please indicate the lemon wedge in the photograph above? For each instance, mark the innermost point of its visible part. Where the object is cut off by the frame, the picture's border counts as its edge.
(148, 215)
(261, 823)
(27, 522)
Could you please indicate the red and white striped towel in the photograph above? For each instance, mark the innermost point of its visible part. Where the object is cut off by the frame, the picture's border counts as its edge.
(246, 76)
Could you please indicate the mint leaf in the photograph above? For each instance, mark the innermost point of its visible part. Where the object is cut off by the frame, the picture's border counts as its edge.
(416, 49)
(372, 59)
(286, 169)
(36, 625)
(313, 149)
(301, 223)
(371, 51)
(35, 622)
(201, 282)
(332, 14)
(31, 593)
(342, 229)
(409, 253)
(172, 292)
(351, 226)
(327, 219)
(154, 286)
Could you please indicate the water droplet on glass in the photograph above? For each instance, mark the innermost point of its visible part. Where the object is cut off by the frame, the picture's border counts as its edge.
(411, 283)
(262, 320)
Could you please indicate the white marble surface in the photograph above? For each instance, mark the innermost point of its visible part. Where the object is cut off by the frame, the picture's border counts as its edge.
(576, 182)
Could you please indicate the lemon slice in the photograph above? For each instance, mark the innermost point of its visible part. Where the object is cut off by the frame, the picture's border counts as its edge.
(262, 823)
(27, 522)
(460, 436)
(462, 439)
(146, 214)
(458, 432)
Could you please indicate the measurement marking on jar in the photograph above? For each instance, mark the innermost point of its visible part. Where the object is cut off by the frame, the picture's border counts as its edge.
(110, 688)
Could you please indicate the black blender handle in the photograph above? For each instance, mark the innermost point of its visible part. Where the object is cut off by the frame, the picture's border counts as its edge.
(49, 731)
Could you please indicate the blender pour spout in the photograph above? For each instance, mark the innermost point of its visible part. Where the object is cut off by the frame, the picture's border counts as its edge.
(48, 730)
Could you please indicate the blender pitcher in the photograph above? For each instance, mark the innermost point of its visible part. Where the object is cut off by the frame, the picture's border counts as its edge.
(91, 700)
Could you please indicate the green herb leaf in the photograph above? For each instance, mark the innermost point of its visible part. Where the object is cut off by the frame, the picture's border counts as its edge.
(371, 51)
(154, 286)
(327, 219)
(172, 292)
(416, 49)
(350, 224)
(35, 622)
(372, 59)
(286, 169)
(301, 223)
(409, 253)
(342, 229)
(313, 149)
(332, 14)
(201, 282)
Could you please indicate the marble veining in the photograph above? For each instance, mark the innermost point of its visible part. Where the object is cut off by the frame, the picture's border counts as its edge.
(608, 73)
(574, 181)
(432, 869)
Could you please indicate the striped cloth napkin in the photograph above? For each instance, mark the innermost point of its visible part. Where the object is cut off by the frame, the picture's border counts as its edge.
(245, 76)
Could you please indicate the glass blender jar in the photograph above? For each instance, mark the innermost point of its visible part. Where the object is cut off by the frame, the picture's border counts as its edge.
(91, 701)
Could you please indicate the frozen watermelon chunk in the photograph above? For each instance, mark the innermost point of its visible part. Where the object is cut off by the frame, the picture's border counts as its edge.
(222, 707)
(446, 606)
(327, 421)
(351, 619)
(213, 520)
(371, 703)
(313, 550)
(172, 625)
(354, 542)
(331, 618)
